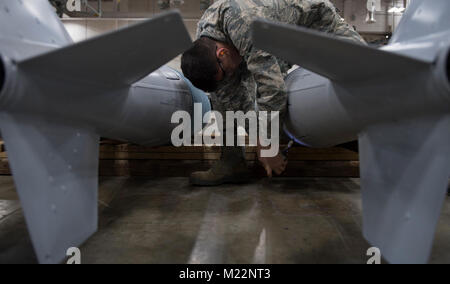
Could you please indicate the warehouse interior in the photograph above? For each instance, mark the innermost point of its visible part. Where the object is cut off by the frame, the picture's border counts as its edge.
(149, 213)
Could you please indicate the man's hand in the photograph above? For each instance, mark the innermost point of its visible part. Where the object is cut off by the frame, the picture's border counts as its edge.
(275, 164)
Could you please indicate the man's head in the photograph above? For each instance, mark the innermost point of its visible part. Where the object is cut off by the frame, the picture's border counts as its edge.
(208, 62)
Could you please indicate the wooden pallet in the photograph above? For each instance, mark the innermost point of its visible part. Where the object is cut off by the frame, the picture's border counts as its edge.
(121, 159)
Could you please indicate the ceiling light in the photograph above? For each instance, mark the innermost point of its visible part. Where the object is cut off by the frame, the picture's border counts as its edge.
(396, 10)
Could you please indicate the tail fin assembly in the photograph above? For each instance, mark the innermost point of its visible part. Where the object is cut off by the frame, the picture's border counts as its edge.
(118, 58)
(405, 161)
(55, 164)
(339, 60)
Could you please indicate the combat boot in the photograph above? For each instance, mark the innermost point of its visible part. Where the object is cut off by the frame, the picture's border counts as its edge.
(231, 168)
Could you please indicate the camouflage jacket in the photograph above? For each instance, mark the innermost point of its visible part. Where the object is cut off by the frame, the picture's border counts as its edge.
(261, 77)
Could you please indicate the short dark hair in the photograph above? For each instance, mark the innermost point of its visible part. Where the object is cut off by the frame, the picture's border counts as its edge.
(199, 64)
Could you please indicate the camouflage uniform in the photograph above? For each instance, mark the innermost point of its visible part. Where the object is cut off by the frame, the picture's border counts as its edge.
(261, 75)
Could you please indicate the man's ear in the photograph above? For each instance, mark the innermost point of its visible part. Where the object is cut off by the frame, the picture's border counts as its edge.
(221, 52)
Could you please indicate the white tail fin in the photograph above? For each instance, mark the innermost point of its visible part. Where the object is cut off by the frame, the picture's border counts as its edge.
(404, 175)
(55, 170)
(118, 58)
(336, 59)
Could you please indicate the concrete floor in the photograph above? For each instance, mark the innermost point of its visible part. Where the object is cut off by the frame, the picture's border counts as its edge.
(144, 220)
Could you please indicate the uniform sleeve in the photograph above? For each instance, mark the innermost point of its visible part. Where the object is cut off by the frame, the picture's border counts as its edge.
(271, 90)
(321, 15)
(265, 68)
(211, 24)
